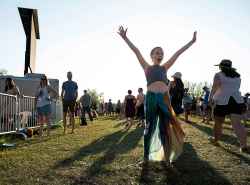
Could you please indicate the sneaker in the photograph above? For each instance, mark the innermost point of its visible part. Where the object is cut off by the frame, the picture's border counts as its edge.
(212, 140)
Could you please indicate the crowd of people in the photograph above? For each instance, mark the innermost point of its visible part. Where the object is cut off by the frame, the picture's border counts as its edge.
(157, 110)
(163, 136)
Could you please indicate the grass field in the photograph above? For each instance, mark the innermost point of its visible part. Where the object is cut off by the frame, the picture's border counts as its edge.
(103, 153)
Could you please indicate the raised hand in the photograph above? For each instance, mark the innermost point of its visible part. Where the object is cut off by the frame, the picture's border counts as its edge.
(194, 37)
(122, 32)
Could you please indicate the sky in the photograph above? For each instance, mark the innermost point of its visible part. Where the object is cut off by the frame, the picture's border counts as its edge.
(81, 36)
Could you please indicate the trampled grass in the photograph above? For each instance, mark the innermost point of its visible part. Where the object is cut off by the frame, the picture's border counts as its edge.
(104, 153)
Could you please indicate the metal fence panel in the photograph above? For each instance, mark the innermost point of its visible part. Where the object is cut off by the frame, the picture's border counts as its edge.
(20, 112)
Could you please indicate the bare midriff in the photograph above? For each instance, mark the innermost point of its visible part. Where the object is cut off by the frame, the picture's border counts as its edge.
(158, 87)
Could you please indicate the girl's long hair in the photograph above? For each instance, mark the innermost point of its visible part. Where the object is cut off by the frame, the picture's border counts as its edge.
(229, 72)
(43, 78)
(9, 84)
(179, 84)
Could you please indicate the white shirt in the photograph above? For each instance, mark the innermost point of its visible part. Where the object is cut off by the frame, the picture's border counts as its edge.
(228, 87)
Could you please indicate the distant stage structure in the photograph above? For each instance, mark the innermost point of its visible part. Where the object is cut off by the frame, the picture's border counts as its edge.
(30, 23)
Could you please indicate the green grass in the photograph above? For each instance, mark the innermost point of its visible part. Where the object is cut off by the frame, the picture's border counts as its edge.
(103, 153)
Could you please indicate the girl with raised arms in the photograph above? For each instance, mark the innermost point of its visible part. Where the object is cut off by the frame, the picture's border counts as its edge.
(163, 135)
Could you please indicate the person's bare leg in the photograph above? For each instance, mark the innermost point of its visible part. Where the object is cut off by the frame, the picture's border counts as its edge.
(218, 123)
(72, 121)
(48, 120)
(64, 122)
(239, 129)
(41, 126)
(129, 123)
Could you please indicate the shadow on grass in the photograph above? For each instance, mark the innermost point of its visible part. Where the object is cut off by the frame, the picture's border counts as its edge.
(240, 156)
(118, 143)
(114, 144)
(229, 139)
(100, 145)
(196, 171)
(188, 169)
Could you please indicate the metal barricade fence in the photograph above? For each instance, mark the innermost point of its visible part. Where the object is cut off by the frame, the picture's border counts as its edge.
(20, 112)
(27, 112)
(8, 113)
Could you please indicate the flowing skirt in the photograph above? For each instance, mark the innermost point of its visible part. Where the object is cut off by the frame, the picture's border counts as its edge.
(164, 137)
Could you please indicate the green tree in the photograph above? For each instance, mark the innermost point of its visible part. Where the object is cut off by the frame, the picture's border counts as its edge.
(96, 96)
(196, 88)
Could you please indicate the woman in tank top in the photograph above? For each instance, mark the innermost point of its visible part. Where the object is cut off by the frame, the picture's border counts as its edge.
(227, 99)
(43, 104)
(161, 143)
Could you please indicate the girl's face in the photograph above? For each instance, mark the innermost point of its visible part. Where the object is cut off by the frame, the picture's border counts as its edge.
(157, 55)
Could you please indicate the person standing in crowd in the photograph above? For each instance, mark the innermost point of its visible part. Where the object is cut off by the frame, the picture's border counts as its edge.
(101, 108)
(6, 105)
(118, 107)
(206, 109)
(86, 103)
(176, 90)
(227, 99)
(159, 113)
(69, 95)
(11, 88)
(94, 110)
(129, 104)
(247, 103)
(194, 106)
(106, 108)
(110, 107)
(43, 104)
(187, 103)
(140, 107)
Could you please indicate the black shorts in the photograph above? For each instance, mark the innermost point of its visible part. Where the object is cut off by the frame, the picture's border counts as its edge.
(69, 105)
(231, 108)
(140, 112)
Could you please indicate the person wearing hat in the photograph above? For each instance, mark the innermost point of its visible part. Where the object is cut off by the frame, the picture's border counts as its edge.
(159, 144)
(176, 91)
(227, 100)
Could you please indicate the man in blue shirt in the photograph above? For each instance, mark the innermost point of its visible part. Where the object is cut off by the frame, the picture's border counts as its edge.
(69, 96)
